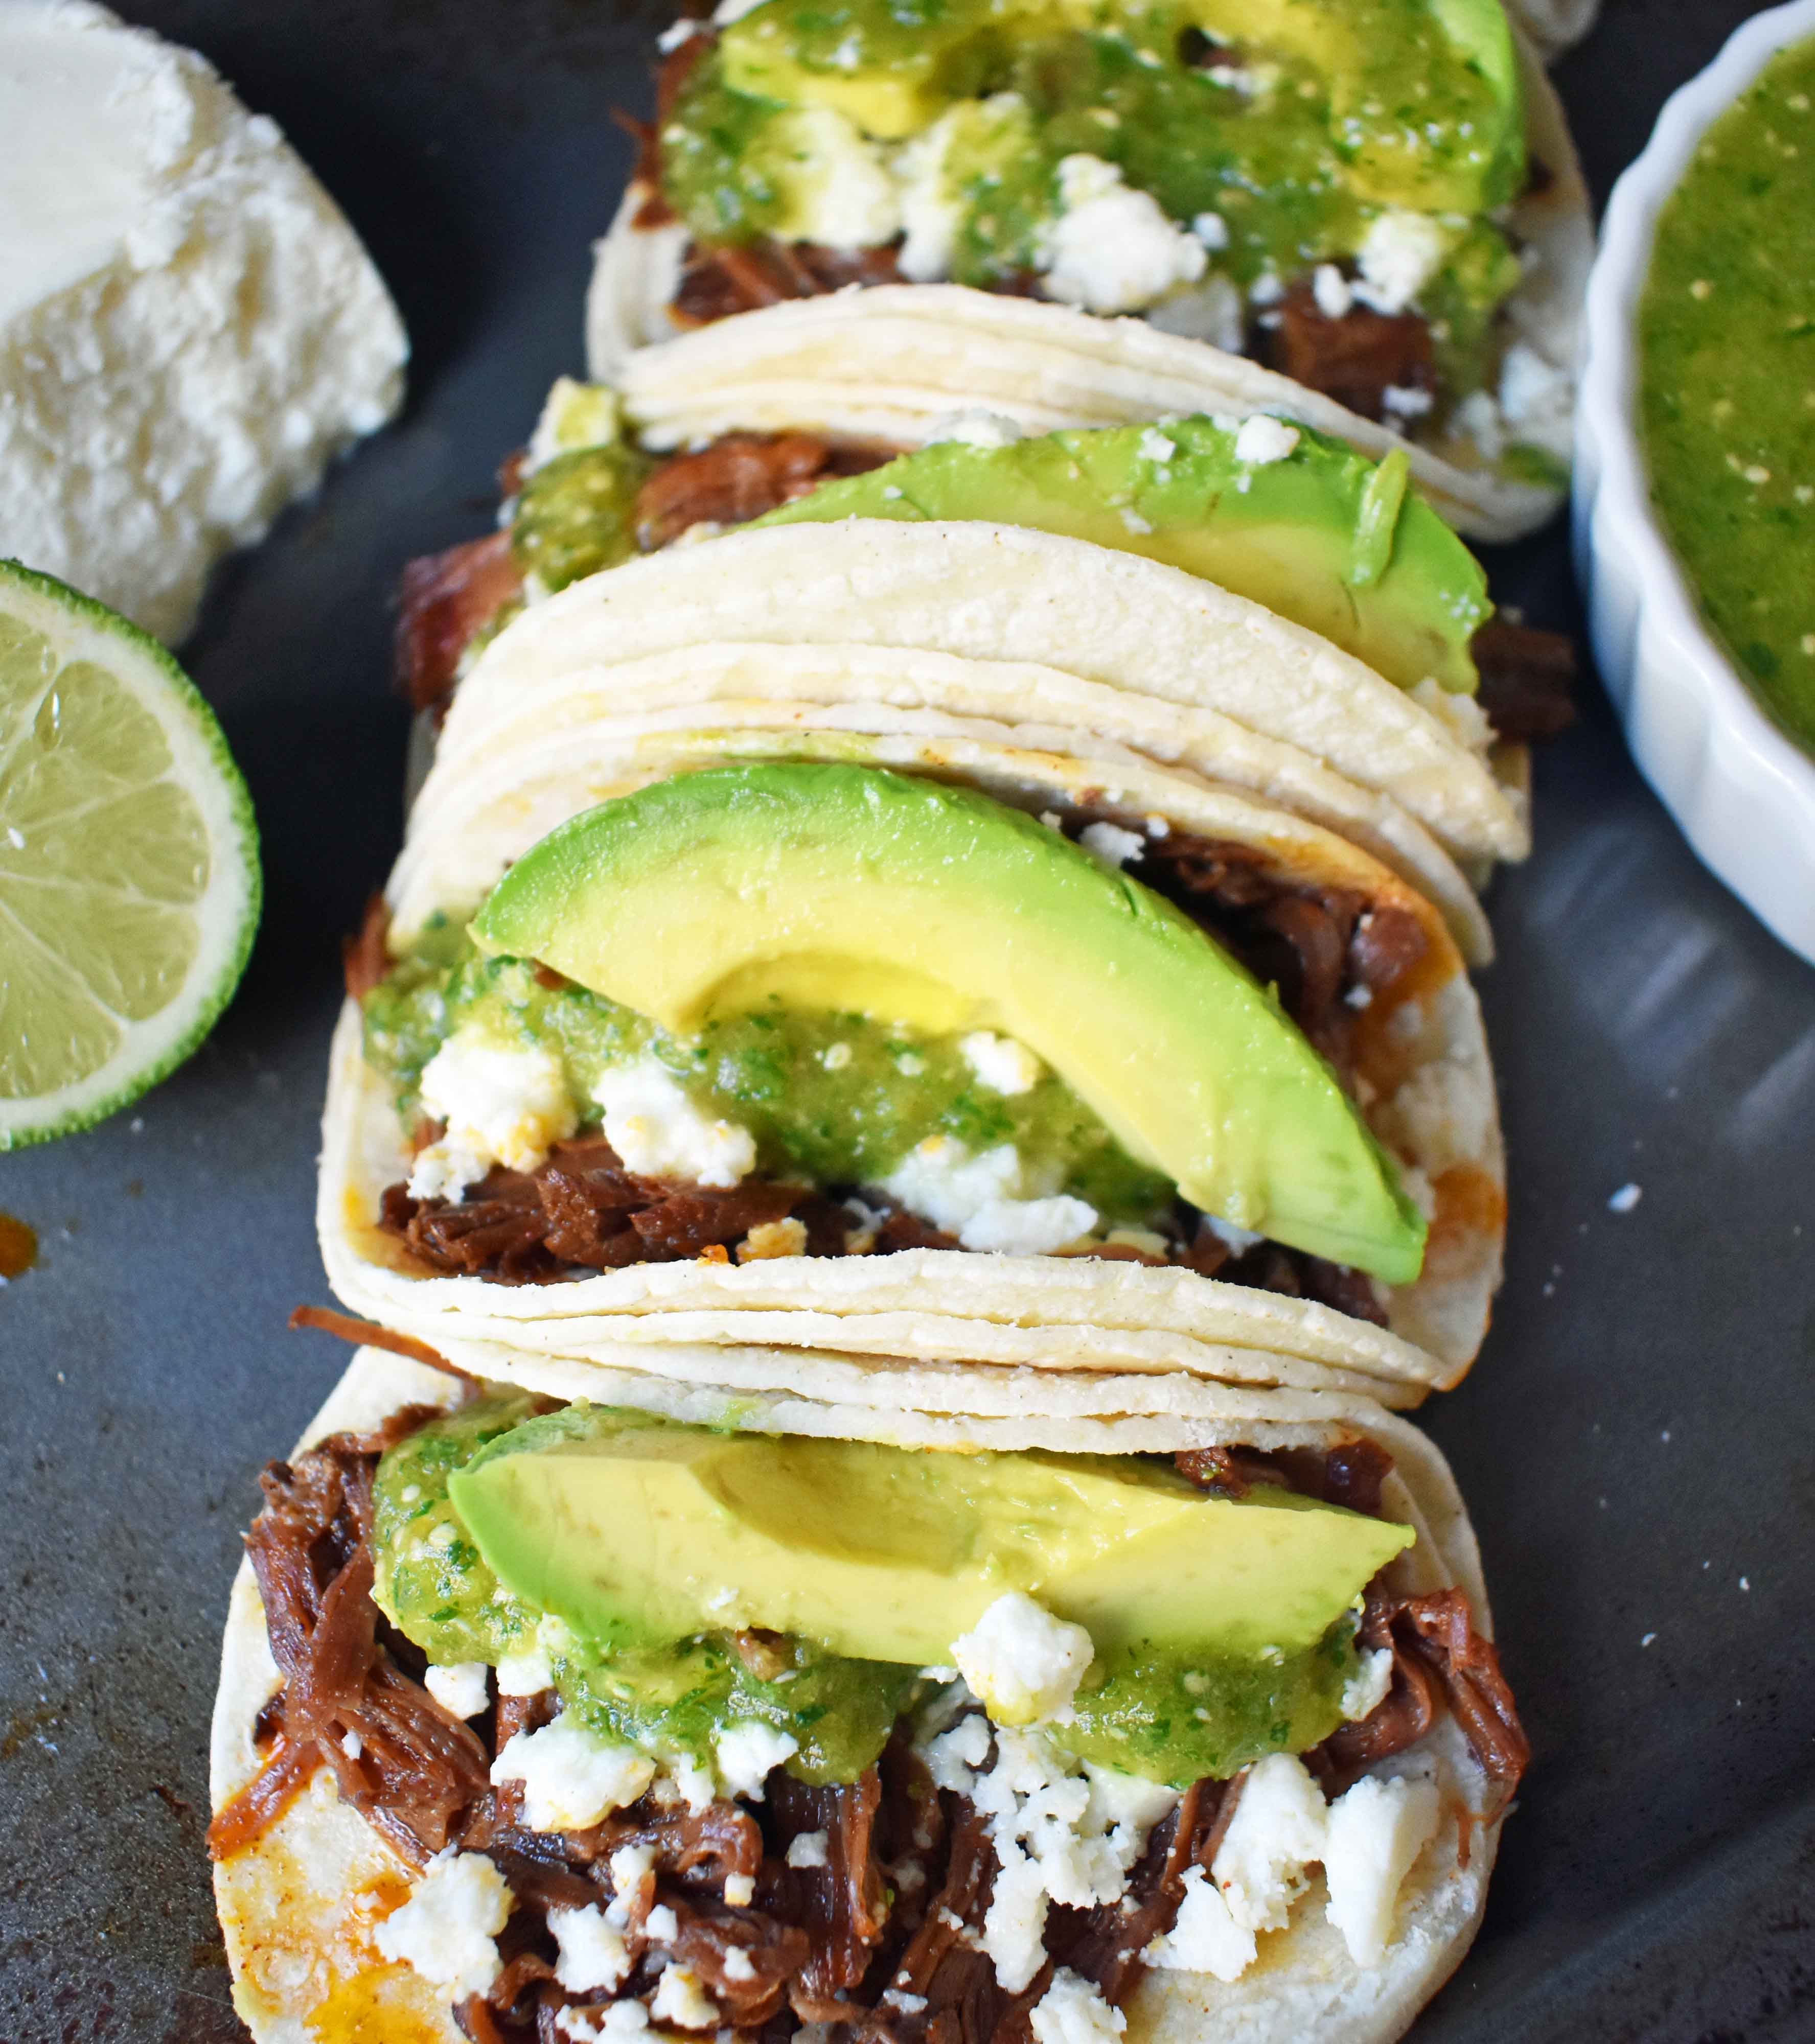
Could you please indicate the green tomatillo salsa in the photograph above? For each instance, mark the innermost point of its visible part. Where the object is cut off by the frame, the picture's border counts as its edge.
(837, 1099)
(1258, 140)
(1726, 334)
(1171, 1708)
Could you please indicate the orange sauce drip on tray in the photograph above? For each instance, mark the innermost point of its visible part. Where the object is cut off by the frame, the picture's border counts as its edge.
(18, 1247)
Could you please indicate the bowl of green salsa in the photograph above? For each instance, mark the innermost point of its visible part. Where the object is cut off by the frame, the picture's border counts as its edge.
(1694, 505)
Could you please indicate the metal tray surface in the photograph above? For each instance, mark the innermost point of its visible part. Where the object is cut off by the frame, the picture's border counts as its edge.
(1637, 1442)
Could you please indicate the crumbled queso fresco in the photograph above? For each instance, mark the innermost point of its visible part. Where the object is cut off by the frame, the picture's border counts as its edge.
(1063, 1831)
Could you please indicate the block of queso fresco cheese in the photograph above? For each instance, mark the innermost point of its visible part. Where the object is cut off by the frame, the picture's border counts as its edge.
(190, 331)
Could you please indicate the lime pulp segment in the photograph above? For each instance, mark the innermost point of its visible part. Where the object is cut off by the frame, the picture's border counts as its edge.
(129, 882)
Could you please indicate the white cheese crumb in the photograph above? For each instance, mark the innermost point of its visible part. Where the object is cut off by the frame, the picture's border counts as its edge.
(445, 1930)
(1276, 1832)
(1154, 446)
(976, 1198)
(1023, 1662)
(1212, 311)
(835, 1057)
(632, 1869)
(1477, 418)
(571, 1778)
(975, 427)
(621, 2023)
(1264, 440)
(1330, 288)
(1112, 249)
(525, 1674)
(739, 1890)
(786, 1237)
(680, 1998)
(659, 1133)
(593, 1954)
(1375, 1834)
(1212, 229)
(503, 1104)
(352, 1744)
(1205, 1937)
(953, 1757)
(1399, 255)
(736, 1962)
(746, 1749)
(1405, 401)
(1059, 1834)
(459, 1689)
(808, 1849)
(691, 1780)
(1625, 1199)
(1001, 1064)
(661, 1925)
(1114, 846)
(1072, 2011)
(1014, 1924)
(1537, 401)
(1368, 1688)
(1237, 1241)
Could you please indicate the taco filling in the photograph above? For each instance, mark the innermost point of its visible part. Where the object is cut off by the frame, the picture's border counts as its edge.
(884, 1014)
(681, 1730)
(1324, 185)
(1273, 511)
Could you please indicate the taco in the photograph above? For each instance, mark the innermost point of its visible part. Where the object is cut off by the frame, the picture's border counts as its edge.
(1284, 516)
(980, 1044)
(1137, 1728)
(1378, 205)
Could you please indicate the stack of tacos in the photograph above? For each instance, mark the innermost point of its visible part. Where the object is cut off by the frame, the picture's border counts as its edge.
(911, 1101)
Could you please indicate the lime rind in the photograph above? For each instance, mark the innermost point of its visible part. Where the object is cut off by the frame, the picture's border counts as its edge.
(77, 628)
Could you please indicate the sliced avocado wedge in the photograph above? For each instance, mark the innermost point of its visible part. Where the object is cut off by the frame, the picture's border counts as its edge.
(637, 1532)
(868, 891)
(1325, 537)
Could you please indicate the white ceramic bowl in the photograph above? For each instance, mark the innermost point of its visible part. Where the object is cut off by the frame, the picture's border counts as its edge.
(1744, 794)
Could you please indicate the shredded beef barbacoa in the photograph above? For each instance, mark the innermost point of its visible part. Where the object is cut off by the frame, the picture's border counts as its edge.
(582, 1210)
(882, 1940)
(740, 477)
(1356, 359)
(1527, 676)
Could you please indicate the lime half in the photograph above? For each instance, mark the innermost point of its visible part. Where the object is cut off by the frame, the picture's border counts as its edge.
(130, 880)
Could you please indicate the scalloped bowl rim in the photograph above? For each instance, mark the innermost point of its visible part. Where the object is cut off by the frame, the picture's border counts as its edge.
(1748, 804)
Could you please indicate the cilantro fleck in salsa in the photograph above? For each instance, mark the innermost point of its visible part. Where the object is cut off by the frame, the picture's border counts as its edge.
(1727, 335)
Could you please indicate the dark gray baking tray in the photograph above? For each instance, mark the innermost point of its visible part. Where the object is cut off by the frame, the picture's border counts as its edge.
(1637, 1442)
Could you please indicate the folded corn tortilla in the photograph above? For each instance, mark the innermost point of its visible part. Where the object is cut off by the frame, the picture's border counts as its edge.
(1135, 652)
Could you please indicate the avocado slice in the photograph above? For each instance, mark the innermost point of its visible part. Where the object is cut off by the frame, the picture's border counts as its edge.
(847, 887)
(638, 1532)
(1323, 536)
